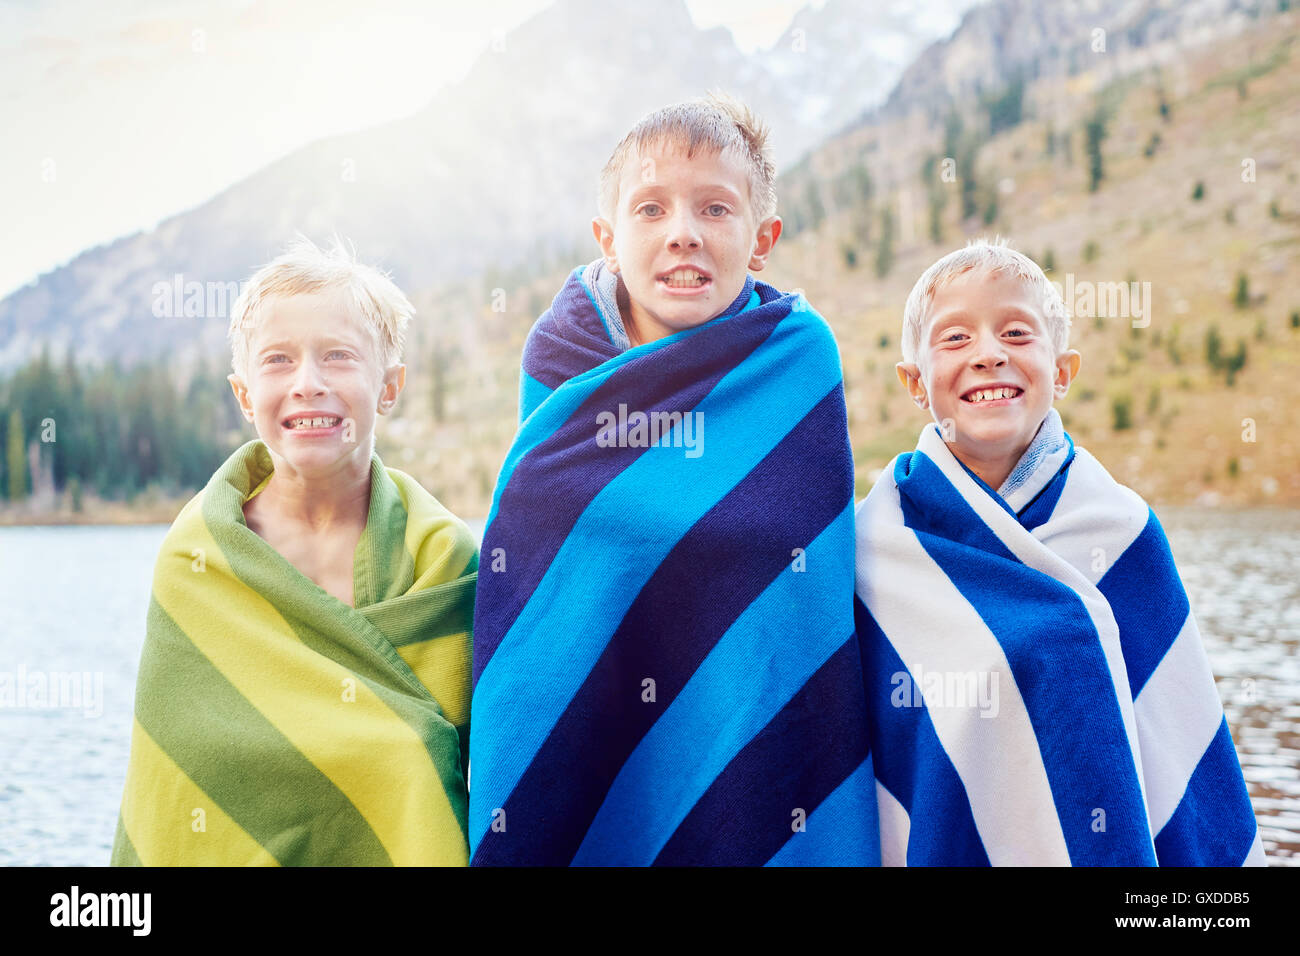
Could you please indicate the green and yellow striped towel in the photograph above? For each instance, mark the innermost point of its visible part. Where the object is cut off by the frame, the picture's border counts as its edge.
(276, 725)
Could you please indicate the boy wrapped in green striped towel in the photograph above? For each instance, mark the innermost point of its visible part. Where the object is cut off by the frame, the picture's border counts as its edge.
(303, 694)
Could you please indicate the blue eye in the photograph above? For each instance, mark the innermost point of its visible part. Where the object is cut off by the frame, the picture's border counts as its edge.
(276, 358)
(340, 353)
(1020, 332)
(648, 207)
(721, 210)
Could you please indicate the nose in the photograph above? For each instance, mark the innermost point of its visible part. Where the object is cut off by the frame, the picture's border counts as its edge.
(989, 352)
(684, 233)
(308, 382)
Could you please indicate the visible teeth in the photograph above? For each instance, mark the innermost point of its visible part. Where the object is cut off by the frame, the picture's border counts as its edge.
(313, 422)
(683, 278)
(992, 394)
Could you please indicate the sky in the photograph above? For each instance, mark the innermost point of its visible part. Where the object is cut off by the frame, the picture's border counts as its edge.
(114, 116)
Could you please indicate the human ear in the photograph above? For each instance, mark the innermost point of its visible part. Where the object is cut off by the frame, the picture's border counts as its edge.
(769, 230)
(240, 389)
(394, 382)
(909, 373)
(604, 233)
(1067, 367)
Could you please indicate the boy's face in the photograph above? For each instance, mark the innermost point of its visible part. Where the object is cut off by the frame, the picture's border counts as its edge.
(986, 333)
(683, 237)
(309, 358)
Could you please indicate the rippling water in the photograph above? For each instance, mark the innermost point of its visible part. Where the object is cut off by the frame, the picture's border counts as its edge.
(1240, 572)
(74, 600)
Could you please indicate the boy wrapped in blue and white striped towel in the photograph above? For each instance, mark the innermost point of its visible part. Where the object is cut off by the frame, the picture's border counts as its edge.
(1038, 689)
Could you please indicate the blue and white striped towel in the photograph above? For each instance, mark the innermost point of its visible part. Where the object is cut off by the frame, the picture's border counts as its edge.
(1038, 688)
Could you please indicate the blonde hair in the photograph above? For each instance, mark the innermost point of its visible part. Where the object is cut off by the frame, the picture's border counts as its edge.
(718, 123)
(305, 269)
(997, 258)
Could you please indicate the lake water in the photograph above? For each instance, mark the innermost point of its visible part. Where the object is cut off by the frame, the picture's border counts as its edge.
(74, 602)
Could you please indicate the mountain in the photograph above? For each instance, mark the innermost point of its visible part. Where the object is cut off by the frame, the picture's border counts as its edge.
(997, 42)
(1181, 102)
(1162, 166)
(844, 57)
(498, 172)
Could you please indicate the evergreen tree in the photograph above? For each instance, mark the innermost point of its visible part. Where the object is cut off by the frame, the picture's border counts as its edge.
(1095, 132)
(1213, 347)
(885, 250)
(16, 457)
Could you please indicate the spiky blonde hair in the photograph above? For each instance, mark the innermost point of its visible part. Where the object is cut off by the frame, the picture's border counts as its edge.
(996, 257)
(305, 269)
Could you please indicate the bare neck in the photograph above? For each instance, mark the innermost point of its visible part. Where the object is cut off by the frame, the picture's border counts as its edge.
(319, 505)
(992, 473)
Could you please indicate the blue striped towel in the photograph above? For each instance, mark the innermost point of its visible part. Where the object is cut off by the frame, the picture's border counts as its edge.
(665, 665)
(1038, 688)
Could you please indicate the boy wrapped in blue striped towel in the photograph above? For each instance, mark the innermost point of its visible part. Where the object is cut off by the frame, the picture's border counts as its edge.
(1038, 688)
(665, 665)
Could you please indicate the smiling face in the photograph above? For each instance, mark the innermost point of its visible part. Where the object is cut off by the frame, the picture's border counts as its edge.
(683, 237)
(313, 385)
(987, 370)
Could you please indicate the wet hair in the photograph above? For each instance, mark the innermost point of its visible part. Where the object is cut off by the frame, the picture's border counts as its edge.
(718, 123)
